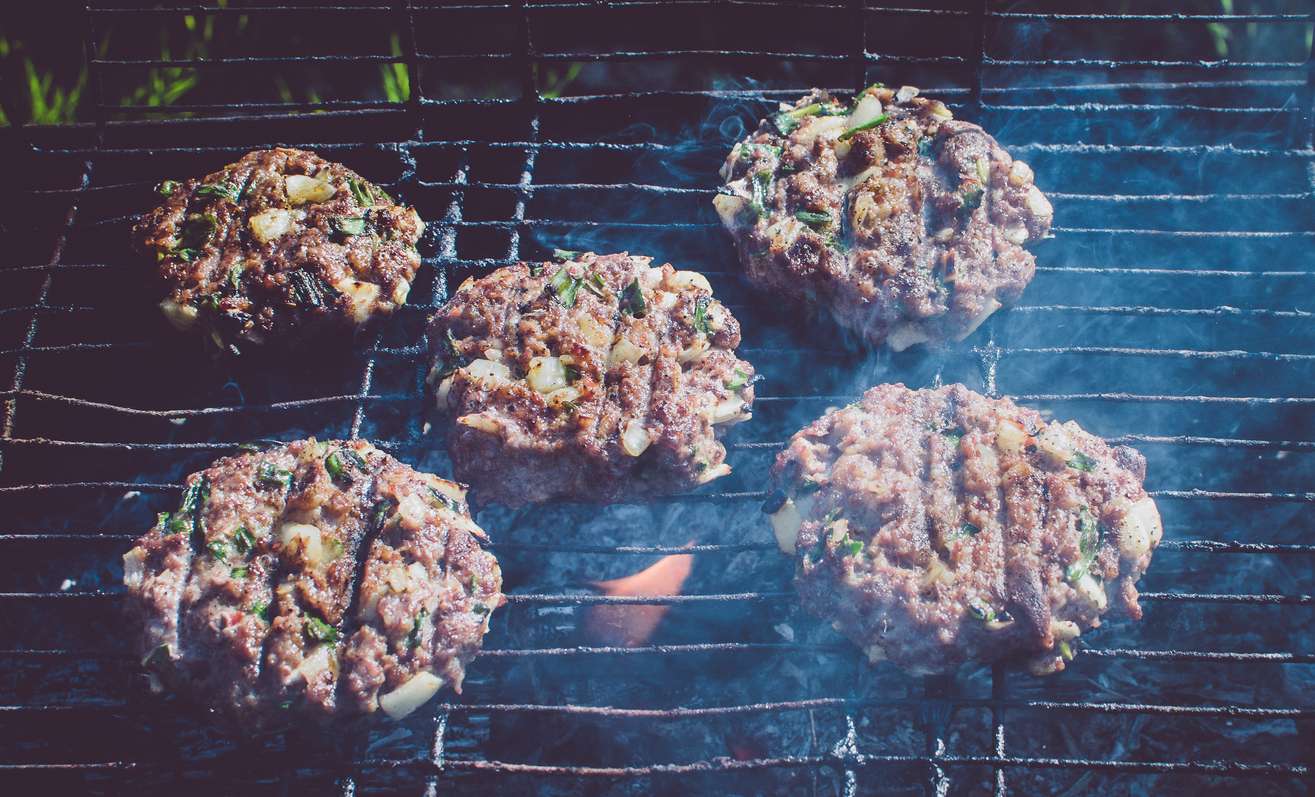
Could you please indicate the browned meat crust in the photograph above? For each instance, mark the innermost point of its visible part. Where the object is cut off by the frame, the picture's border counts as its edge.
(939, 526)
(908, 228)
(242, 597)
(278, 245)
(596, 379)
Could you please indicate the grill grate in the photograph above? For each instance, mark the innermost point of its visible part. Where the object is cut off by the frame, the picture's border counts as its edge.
(1188, 226)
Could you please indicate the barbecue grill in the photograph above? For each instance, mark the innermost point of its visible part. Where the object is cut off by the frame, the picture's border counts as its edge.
(1171, 311)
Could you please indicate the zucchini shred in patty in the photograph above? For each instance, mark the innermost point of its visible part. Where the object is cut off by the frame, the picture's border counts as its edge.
(278, 246)
(936, 527)
(906, 224)
(312, 581)
(596, 378)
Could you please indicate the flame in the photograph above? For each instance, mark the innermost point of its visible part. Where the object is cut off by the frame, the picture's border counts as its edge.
(632, 626)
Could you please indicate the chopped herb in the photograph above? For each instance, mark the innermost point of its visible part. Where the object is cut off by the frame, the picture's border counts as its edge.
(762, 149)
(980, 610)
(445, 500)
(220, 190)
(953, 436)
(218, 549)
(809, 486)
(381, 512)
(1082, 462)
(187, 254)
(831, 517)
(632, 300)
(162, 520)
(536, 269)
(851, 547)
(271, 475)
(197, 230)
(189, 510)
(167, 187)
(240, 572)
(971, 195)
(851, 132)
(346, 226)
(1065, 650)
(310, 290)
(253, 448)
(360, 192)
(413, 638)
(480, 608)
(565, 286)
(564, 255)
(968, 529)
(261, 610)
(701, 315)
(924, 146)
(813, 219)
(452, 358)
(738, 381)
(788, 121)
(595, 285)
(158, 656)
(1088, 545)
(235, 278)
(243, 540)
(760, 189)
(572, 373)
(320, 631)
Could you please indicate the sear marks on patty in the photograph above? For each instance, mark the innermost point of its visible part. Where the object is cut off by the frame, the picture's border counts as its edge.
(597, 378)
(310, 581)
(276, 246)
(905, 223)
(935, 527)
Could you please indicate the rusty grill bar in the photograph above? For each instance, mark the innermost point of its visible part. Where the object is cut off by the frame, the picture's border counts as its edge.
(370, 398)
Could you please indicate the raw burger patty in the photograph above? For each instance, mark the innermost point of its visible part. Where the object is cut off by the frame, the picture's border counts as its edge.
(935, 527)
(598, 378)
(907, 225)
(311, 581)
(279, 245)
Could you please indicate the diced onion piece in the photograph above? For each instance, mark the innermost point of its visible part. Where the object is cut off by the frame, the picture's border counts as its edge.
(695, 350)
(314, 664)
(1016, 234)
(181, 316)
(560, 398)
(785, 525)
(784, 232)
(305, 537)
(666, 299)
(939, 110)
(1037, 202)
(684, 280)
(906, 93)
(450, 489)
(442, 392)
(943, 235)
(1140, 530)
(858, 179)
(729, 208)
(727, 411)
(1053, 443)
(362, 295)
(635, 439)
(546, 374)
(1064, 630)
(487, 369)
(397, 578)
(401, 291)
(1091, 592)
(270, 224)
(826, 127)
(414, 509)
(988, 307)
(1010, 437)
(480, 422)
(134, 568)
(906, 335)
(714, 473)
(1020, 174)
(594, 332)
(726, 167)
(936, 573)
(302, 189)
(411, 695)
(868, 109)
(624, 352)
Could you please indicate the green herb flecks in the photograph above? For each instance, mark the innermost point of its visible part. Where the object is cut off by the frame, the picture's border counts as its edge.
(480, 609)
(167, 187)
(270, 475)
(194, 235)
(953, 436)
(814, 220)
(451, 353)
(341, 462)
(319, 631)
(971, 196)
(851, 547)
(632, 300)
(981, 610)
(1065, 650)
(361, 192)
(564, 255)
(240, 571)
(924, 146)
(243, 540)
(1082, 462)
(595, 285)
(347, 226)
(310, 290)
(382, 511)
(261, 610)
(760, 188)
(158, 657)
(788, 121)
(967, 529)
(1088, 545)
(218, 549)
(856, 129)
(219, 190)
(413, 638)
(189, 514)
(738, 381)
(565, 286)
(445, 501)
(701, 322)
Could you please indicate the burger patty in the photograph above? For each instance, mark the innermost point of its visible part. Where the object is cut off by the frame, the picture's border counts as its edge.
(310, 581)
(906, 224)
(596, 378)
(278, 245)
(935, 527)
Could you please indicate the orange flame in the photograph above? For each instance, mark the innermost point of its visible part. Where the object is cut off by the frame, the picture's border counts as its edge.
(632, 626)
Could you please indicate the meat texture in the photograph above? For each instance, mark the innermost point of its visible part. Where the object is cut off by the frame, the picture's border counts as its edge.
(936, 527)
(597, 378)
(905, 223)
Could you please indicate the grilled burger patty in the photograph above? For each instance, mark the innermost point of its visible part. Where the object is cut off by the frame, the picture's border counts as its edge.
(939, 526)
(277, 245)
(906, 224)
(310, 581)
(596, 378)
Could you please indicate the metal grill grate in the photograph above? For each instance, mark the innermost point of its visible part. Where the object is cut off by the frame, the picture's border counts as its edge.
(1170, 312)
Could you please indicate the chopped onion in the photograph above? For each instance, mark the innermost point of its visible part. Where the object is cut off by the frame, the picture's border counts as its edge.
(906, 335)
(906, 93)
(1140, 530)
(305, 537)
(594, 333)
(181, 316)
(400, 292)
(784, 232)
(875, 653)
(546, 374)
(821, 127)
(362, 295)
(270, 224)
(480, 422)
(1091, 592)
(635, 439)
(729, 208)
(411, 695)
(785, 525)
(1037, 202)
(684, 280)
(442, 392)
(666, 299)
(1016, 234)
(1010, 437)
(868, 109)
(714, 473)
(695, 350)
(560, 398)
(451, 489)
(939, 110)
(1064, 630)
(731, 409)
(1053, 443)
(134, 568)
(397, 578)
(624, 352)
(302, 189)
(988, 307)
(317, 662)
(487, 369)
(1020, 174)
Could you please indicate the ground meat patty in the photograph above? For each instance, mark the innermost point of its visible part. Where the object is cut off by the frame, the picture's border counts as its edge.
(596, 378)
(906, 224)
(938, 526)
(311, 581)
(278, 245)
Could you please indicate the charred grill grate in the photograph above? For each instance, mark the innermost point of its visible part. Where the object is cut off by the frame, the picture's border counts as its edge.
(1191, 312)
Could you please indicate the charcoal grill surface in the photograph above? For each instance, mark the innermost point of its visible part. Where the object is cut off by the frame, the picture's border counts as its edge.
(1171, 311)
